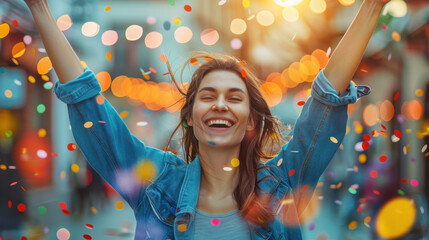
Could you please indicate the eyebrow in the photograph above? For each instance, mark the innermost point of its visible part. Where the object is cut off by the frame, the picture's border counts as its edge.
(210, 89)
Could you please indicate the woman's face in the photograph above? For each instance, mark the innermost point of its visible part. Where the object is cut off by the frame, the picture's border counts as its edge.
(220, 114)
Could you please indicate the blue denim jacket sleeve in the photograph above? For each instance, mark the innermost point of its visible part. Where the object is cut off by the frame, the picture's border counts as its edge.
(317, 134)
(108, 145)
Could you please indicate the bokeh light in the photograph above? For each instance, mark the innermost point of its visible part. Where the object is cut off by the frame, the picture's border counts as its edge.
(290, 14)
(395, 218)
(209, 36)
(397, 8)
(90, 29)
(370, 115)
(236, 43)
(317, 6)
(153, 40)
(109, 37)
(104, 79)
(238, 26)
(183, 34)
(287, 3)
(265, 18)
(64, 22)
(133, 33)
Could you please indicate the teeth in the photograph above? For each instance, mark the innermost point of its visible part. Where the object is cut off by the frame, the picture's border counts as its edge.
(212, 122)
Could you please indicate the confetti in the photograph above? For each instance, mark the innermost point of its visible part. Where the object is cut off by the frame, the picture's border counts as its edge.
(221, 2)
(424, 148)
(86, 236)
(63, 234)
(235, 162)
(107, 8)
(75, 168)
(119, 205)
(88, 124)
(374, 174)
(41, 210)
(396, 96)
(334, 140)
(215, 221)
(414, 182)
(181, 227)
(187, 8)
(211, 143)
(21, 207)
(193, 61)
(291, 172)
(397, 133)
(279, 162)
(383, 158)
(301, 103)
(89, 226)
(71, 146)
(353, 225)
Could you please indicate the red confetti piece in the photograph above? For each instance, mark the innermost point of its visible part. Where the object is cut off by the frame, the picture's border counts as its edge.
(86, 236)
(101, 121)
(153, 70)
(66, 211)
(291, 172)
(21, 207)
(396, 96)
(13, 184)
(23, 238)
(89, 226)
(304, 188)
(193, 61)
(376, 192)
(384, 127)
(54, 154)
(383, 158)
(301, 103)
(404, 180)
(243, 73)
(366, 137)
(397, 133)
(23, 189)
(71, 146)
(62, 205)
(9, 204)
(383, 26)
(301, 139)
(165, 73)
(188, 8)
(359, 208)
(373, 174)
(15, 23)
(373, 132)
(365, 145)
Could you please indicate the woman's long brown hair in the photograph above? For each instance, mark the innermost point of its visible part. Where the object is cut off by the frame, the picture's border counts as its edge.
(258, 145)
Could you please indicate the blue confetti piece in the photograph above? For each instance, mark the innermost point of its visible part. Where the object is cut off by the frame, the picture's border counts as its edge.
(167, 25)
(211, 143)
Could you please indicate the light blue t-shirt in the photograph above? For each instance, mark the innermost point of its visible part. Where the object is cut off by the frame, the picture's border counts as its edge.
(225, 226)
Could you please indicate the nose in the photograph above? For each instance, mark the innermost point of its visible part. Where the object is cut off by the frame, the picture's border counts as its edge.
(220, 105)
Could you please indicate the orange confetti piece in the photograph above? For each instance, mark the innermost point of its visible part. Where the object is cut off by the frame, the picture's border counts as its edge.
(194, 61)
(18, 50)
(243, 73)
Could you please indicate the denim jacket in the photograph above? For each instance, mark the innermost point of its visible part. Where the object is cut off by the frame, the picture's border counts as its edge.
(165, 208)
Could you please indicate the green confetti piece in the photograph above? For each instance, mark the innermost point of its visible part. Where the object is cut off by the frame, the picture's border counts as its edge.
(41, 108)
(47, 86)
(172, 2)
(352, 191)
(8, 133)
(400, 192)
(41, 210)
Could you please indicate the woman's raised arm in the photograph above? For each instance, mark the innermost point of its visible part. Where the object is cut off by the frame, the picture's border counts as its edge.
(65, 61)
(348, 54)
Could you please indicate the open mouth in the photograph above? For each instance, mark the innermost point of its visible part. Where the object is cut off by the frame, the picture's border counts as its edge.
(219, 123)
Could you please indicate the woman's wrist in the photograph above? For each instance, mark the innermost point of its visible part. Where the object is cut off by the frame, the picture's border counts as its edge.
(374, 6)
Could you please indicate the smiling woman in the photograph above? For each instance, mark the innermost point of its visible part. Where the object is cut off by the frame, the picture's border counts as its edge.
(236, 171)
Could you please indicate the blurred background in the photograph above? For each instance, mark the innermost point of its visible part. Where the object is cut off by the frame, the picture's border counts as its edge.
(376, 187)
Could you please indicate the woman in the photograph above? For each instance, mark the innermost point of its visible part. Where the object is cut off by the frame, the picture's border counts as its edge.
(226, 122)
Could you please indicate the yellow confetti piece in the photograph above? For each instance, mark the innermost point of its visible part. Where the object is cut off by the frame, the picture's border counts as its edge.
(367, 219)
(119, 205)
(177, 21)
(107, 8)
(33, 51)
(18, 50)
(63, 174)
(409, 131)
(15, 61)
(279, 162)
(24, 151)
(347, 129)
(274, 136)
(109, 56)
(362, 158)
(145, 171)
(8, 93)
(353, 225)
(181, 227)
(246, 3)
(83, 63)
(44, 65)
(75, 168)
(341, 146)
(100, 99)
(4, 30)
(123, 114)
(235, 162)
(3, 167)
(31, 79)
(88, 124)
(396, 36)
(45, 78)
(93, 210)
(419, 93)
(334, 140)
(146, 76)
(41, 132)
